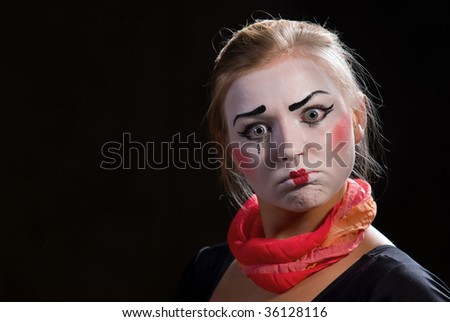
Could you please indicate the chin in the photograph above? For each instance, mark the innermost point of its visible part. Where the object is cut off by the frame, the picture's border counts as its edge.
(304, 199)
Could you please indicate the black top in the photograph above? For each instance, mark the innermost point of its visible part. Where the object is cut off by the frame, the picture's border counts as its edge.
(384, 274)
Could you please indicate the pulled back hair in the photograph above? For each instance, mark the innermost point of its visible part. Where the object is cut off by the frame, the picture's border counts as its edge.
(256, 45)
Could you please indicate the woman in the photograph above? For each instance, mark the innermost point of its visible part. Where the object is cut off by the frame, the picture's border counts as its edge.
(289, 103)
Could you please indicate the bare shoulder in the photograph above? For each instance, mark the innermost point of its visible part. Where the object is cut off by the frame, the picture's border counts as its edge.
(374, 238)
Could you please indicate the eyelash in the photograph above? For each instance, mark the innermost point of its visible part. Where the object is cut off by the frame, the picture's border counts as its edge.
(245, 132)
(325, 110)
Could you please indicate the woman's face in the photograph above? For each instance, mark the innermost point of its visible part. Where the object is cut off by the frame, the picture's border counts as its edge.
(291, 133)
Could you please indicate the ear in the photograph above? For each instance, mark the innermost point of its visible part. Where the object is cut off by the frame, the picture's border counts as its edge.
(360, 119)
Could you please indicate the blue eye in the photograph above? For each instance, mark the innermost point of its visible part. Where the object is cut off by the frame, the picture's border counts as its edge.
(255, 131)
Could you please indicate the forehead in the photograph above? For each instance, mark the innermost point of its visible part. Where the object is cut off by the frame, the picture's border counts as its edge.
(284, 81)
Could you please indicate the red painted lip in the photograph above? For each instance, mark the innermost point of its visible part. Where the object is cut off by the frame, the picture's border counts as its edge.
(298, 173)
(299, 177)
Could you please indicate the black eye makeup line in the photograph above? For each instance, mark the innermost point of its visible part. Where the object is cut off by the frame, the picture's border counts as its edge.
(325, 111)
(259, 110)
(247, 129)
(297, 105)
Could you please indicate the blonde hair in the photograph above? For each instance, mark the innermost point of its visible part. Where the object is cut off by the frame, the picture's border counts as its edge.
(256, 45)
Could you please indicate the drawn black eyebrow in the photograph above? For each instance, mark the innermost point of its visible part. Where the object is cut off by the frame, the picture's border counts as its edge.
(259, 110)
(297, 105)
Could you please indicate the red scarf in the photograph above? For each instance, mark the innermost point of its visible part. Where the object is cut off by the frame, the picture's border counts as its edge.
(276, 265)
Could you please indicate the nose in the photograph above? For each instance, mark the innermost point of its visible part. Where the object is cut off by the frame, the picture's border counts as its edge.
(288, 141)
(289, 154)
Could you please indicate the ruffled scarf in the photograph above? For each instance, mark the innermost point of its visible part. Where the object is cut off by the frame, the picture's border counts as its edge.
(277, 265)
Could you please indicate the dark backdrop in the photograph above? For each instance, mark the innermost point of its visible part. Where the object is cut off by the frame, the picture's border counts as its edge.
(75, 76)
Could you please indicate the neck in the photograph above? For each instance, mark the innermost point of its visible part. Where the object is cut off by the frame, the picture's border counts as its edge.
(280, 223)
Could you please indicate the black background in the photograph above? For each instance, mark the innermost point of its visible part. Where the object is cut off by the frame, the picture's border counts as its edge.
(76, 75)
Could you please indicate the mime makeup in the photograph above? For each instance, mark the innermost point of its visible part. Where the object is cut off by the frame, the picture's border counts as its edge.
(300, 104)
(259, 110)
(291, 104)
(341, 131)
(299, 176)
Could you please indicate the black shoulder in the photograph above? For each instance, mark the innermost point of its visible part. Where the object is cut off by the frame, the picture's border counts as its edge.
(210, 255)
(405, 280)
(203, 272)
(384, 274)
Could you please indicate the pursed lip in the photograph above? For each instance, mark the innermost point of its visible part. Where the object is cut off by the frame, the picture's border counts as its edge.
(295, 174)
(298, 173)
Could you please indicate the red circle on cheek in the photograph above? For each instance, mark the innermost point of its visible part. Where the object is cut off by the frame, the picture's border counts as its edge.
(244, 161)
(239, 156)
(341, 131)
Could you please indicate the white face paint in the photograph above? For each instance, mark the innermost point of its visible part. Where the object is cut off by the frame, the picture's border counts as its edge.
(295, 111)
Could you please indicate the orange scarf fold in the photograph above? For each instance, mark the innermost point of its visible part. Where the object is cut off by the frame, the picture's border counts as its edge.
(277, 265)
